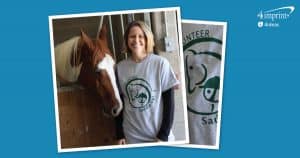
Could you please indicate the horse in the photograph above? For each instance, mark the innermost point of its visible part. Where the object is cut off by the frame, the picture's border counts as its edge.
(90, 63)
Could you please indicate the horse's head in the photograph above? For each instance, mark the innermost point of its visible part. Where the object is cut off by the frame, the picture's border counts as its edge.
(97, 71)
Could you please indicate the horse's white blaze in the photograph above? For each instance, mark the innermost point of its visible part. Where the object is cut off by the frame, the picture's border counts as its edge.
(107, 63)
(63, 54)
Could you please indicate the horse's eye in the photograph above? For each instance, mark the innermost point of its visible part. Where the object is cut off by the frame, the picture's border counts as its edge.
(98, 73)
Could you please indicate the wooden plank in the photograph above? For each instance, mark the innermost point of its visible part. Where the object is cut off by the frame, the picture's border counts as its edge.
(82, 123)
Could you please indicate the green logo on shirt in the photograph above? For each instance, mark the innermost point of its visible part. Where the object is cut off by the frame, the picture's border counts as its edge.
(202, 79)
(139, 93)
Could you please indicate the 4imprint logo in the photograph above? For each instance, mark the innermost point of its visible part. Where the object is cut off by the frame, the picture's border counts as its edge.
(273, 17)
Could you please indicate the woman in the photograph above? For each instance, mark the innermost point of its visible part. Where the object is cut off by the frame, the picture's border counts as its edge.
(146, 83)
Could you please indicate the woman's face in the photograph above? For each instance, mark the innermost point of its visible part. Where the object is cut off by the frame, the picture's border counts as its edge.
(137, 41)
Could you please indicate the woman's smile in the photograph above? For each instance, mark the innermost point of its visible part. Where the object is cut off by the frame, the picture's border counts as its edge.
(137, 43)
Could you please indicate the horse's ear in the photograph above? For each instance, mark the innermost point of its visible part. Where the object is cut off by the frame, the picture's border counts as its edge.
(103, 32)
(86, 39)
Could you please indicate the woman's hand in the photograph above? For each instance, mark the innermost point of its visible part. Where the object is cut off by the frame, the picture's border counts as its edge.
(158, 140)
(121, 141)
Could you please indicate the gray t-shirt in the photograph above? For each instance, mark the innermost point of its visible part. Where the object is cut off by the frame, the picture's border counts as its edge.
(142, 85)
(202, 58)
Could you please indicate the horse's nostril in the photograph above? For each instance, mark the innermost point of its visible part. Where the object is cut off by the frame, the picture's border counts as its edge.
(114, 112)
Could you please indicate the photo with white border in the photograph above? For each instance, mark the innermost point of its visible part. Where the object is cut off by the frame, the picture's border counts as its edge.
(85, 120)
(204, 57)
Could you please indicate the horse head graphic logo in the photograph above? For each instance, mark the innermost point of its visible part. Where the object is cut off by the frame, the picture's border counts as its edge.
(139, 93)
(202, 69)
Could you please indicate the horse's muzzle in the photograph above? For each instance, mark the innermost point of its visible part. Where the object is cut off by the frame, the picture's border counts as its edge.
(116, 110)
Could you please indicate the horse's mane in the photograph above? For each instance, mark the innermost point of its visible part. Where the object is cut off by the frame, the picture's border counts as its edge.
(68, 57)
(63, 54)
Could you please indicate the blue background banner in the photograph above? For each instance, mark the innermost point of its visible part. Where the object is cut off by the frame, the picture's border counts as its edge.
(260, 114)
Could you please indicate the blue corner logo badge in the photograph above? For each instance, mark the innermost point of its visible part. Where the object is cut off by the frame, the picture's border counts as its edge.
(274, 17)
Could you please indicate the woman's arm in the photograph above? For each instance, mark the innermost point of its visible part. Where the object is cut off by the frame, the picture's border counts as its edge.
(168, 114)
(119, 119)
(119, 126)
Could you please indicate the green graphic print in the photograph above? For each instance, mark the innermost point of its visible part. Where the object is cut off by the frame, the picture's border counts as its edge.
(203, 81)
(139, 93)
